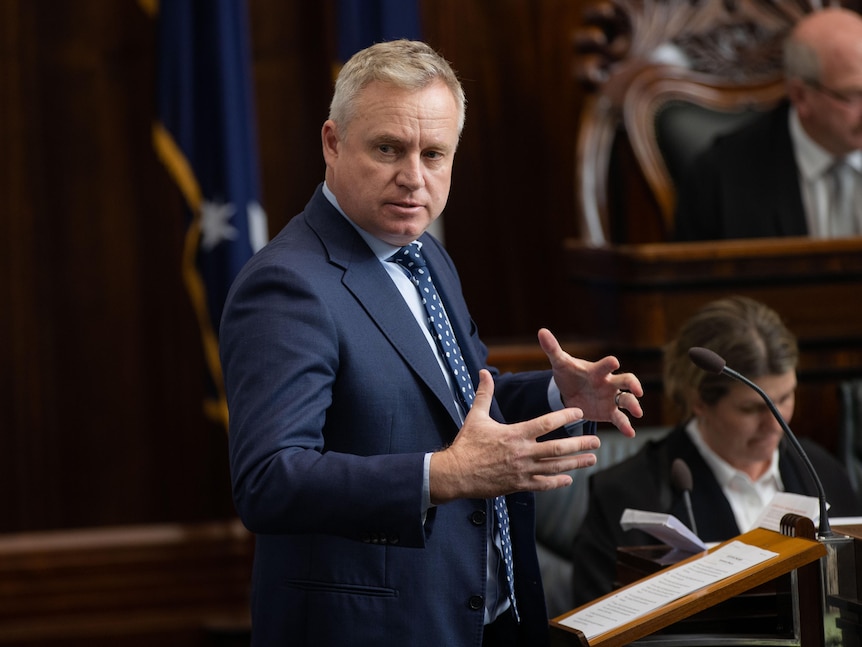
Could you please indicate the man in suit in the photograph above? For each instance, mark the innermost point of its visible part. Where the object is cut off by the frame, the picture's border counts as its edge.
(369, 480)
(729, 439)
(794, 171)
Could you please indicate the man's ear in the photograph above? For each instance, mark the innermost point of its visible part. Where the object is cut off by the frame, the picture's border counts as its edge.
(330, 140)
(797, 93)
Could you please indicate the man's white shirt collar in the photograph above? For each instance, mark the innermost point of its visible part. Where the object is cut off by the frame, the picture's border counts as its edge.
(812, 159)
(381, 249)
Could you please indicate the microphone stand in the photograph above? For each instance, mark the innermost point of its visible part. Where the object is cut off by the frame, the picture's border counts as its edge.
(825, 529)
(712, 362)
(839, 565)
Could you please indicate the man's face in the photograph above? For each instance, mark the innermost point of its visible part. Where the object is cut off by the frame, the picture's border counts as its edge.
(391, 167)
(741, 429)
(831, 110)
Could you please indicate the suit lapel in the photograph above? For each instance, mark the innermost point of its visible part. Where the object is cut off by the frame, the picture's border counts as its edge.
(369, 283)
(787, 210)
(448, 285)
(381, 300)
(711, 509)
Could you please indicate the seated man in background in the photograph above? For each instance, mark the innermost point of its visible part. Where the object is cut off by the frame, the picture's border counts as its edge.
(794, 171)
(731, 442)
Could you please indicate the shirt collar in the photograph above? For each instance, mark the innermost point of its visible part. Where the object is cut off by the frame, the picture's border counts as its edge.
(381, 249)
(725, 472)
(812, 159)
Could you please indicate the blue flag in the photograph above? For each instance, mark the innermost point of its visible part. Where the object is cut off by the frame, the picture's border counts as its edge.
(205, 134)
(364, 22)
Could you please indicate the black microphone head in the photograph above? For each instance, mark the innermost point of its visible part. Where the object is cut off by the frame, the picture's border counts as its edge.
(680, 476)
(708, 360)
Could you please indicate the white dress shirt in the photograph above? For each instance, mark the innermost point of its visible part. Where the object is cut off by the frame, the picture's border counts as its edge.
(747, 497)
(814, 163)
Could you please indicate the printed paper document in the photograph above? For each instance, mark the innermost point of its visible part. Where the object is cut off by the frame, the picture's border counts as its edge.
(671, 584)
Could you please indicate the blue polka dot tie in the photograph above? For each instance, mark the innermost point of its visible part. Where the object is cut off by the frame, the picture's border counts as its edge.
(411, 259)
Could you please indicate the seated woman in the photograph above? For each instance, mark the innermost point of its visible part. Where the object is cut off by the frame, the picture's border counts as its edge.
(728, 437)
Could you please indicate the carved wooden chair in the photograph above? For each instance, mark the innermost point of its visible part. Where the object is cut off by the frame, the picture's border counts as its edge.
(849, 449)
(662, 79)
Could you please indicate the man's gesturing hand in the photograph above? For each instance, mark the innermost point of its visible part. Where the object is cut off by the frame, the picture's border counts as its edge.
(593, 386)
(488, 458)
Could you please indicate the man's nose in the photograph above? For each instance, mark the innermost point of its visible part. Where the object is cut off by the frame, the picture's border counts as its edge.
(410, 173)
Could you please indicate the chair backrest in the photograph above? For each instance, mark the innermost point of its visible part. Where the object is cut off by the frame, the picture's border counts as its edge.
(849, 446)
(668, 76)
(670, 115)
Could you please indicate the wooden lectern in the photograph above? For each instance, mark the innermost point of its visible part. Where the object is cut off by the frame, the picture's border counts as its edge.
(798, 555)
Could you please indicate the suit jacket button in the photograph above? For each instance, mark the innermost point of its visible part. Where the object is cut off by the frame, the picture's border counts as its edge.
(478, 518)
(476, 602)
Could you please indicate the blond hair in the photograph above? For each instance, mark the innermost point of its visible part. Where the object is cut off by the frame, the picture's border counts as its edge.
(407, 64)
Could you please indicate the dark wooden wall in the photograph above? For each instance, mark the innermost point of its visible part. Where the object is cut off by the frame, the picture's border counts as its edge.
(101, 371)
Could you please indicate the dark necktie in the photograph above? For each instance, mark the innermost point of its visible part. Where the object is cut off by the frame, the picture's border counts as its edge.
(411, 259)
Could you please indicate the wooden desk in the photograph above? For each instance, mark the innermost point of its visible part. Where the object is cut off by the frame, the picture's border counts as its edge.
(641, 294)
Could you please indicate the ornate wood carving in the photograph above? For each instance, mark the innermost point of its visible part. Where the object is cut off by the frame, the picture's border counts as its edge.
(720, 43)
(738, 40)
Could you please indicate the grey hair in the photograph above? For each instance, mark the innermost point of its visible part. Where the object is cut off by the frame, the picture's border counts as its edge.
(800, 60)
(406, 64)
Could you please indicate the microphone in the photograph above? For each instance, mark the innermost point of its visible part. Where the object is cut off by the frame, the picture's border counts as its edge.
(712, 362)
(681, 480)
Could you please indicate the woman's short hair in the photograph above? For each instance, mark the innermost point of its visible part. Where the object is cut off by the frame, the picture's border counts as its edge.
(407, 64)
(749, 335)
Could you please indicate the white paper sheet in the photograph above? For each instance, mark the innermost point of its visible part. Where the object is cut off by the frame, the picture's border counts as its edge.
(845, 521)
(665, 587)
(664, 527)
(787, 502)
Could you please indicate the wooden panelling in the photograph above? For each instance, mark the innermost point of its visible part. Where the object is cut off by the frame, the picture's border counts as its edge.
(643, 293)
(512, 202)
(184, 584)
(102, 373)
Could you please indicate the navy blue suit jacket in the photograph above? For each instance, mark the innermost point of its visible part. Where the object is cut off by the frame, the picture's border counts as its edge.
(746, 185)
(335, 397)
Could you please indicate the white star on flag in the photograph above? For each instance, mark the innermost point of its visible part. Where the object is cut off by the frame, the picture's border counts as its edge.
(215, 225)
